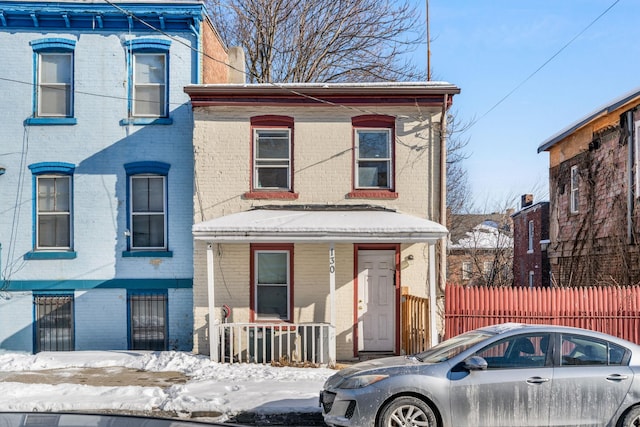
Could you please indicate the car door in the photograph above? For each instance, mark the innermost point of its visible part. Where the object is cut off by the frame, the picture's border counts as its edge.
(590, 381)
(514, 390)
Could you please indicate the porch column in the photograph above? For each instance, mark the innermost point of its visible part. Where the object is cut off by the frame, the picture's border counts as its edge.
(332, 301)
(213, 333)
(433, 306)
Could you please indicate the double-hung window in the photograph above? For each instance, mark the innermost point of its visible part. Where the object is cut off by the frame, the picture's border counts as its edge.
(373, 155)
(575, 189)
(467, 270)
(530, 237)
(272, 160)
(147, 219)
(148, 81)
(53, 207)
(53, 89)
(271, 278)
(272, 157)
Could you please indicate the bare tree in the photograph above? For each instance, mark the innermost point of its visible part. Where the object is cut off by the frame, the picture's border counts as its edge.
(482, 249)
(302, 41)
(459, 198)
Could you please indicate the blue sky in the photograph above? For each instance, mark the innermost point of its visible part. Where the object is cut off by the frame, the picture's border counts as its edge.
(488, 48)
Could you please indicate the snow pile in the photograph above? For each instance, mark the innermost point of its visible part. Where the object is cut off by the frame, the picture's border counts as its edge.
(212, 387)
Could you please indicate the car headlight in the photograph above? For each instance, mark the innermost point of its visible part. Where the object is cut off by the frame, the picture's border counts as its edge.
(362, 381)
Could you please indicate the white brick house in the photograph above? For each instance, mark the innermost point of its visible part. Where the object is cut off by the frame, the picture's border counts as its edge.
(315, 206)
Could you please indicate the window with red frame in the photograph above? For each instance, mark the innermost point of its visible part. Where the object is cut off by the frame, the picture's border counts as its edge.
(272, 153)
(271, 282)
(374, 154)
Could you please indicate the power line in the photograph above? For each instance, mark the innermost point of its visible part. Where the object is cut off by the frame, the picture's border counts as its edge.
(544, 64)
(248, 74)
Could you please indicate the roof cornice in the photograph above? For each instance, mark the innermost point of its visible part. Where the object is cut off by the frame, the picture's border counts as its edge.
(81, 15)
(318, 94)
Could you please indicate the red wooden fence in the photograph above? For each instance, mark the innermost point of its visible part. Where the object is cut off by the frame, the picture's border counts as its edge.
(614, 310)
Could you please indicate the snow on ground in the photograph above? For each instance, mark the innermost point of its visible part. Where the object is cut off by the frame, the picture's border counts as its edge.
(212, 387)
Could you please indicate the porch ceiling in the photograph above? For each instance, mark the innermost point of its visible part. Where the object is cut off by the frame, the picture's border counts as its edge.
(340, 225)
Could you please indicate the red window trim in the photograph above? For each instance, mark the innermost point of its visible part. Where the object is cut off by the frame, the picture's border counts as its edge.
(252, 285)
(373, 121)
(372, 194)
(266, 195)
(266, 122)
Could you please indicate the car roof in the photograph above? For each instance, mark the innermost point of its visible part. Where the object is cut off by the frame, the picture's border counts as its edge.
(509, 328)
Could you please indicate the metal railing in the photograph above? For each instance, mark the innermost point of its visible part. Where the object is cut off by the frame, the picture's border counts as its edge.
(287, 343)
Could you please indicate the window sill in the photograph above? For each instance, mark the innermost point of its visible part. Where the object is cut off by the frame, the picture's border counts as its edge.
(372, 194)
(51, 121)
(282, 195)
(142, 121)
(147, 254)
(50, 255)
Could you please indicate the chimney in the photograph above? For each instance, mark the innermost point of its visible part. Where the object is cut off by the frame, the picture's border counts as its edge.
(237, 69)
(526, 200)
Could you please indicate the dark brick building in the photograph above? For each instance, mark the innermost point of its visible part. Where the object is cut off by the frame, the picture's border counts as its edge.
(530, 241)
(594, 194)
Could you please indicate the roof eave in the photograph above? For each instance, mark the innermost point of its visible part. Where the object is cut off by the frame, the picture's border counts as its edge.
(602, 111)
(310, 237)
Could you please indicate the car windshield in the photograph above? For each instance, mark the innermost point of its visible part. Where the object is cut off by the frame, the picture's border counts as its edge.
(451, 347)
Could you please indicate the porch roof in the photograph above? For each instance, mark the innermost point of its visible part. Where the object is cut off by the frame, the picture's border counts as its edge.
(344, 224)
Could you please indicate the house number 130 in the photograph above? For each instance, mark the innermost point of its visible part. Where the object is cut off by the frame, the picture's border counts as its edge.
(332, 261)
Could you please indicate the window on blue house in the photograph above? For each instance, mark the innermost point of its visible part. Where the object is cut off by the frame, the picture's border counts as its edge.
(149, 85)
(54, 323)
(148, 81)
(54, 212)
(53, 75)
(148, 321)
(53, 207)
(147, 219)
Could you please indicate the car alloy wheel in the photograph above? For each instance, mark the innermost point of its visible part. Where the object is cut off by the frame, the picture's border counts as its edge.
(632, 419)
(407, 411)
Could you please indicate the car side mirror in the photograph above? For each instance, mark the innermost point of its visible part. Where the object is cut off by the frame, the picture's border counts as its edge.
(475, 363)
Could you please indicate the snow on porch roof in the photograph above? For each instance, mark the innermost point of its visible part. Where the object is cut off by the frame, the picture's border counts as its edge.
(312, 224)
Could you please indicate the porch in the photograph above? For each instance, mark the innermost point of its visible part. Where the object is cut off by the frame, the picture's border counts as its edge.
(307, 326)
(310, 343)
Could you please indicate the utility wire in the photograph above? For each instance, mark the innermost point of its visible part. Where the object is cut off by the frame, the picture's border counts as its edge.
(544, 64)
(280, 86)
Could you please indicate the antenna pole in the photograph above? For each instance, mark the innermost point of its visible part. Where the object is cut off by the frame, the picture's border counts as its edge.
(428, 44)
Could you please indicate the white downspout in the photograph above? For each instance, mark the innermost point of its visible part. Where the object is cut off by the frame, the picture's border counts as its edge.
(433, 305)
(213, 333)
(443, 204)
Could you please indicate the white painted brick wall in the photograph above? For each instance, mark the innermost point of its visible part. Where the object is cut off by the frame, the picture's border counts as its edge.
(323, 175)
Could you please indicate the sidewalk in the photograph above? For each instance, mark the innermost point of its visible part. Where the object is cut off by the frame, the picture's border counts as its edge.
(163, 384)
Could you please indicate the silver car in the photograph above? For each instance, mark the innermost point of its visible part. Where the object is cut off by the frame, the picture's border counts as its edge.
(504, 375)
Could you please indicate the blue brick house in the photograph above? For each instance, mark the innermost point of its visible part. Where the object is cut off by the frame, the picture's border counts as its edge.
(96, 172)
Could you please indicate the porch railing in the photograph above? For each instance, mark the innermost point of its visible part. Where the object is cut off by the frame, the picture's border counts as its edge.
(274, 342)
